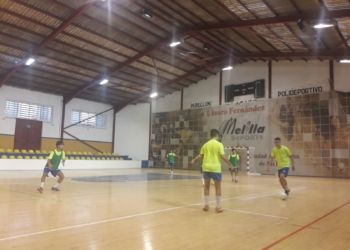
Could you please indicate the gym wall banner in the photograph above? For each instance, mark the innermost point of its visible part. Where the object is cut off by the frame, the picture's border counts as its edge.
(313, 126)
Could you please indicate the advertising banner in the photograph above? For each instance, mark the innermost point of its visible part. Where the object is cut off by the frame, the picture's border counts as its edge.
(313, 126)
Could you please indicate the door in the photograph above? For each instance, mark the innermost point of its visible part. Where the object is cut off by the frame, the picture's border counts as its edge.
(28, 134)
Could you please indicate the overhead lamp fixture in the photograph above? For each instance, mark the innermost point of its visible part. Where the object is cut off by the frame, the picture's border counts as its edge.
(325, 24)
(301, 26)
(345, 61)
(147, 13)
(175, 43)
(154, 95)
(104, 81)
(30, 61)
(228, 68)
(206, 47)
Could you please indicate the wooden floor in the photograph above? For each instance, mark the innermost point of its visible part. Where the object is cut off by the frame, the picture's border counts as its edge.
(167, 214)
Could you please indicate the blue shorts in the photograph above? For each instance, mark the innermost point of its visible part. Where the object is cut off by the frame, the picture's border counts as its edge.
(170, 164)
(283, 171)
(53, 172)
(212, 175)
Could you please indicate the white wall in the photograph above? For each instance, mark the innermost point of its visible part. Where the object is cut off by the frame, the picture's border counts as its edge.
(299, 74)
(86, 133)
(52, 129)
(244, 73)
(204, 91)
(132, 131)
(7, 125)
(342, 76)
(168, 103)
(13, 164)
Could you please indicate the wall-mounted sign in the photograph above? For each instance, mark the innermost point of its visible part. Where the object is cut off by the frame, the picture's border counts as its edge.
(200, 104)
(304, 91)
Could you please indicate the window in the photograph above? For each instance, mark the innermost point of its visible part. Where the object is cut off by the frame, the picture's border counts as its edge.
(28, 111)
(88, 119)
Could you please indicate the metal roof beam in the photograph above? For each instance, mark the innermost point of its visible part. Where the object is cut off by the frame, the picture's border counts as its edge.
(48, 39)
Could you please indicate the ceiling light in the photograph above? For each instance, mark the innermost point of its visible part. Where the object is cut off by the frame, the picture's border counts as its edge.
(345, 61)
(301, 26)
(323, 25)
(206, 47)
(173, 44)
(104, 81)
(154, 95)
(147, 13)
(30, 61)
(228, 68)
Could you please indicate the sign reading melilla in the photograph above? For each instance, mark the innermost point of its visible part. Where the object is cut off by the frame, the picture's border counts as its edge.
(311, 90)
(200, 104)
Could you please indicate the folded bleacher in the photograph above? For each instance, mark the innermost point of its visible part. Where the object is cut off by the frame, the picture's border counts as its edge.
(41, 155)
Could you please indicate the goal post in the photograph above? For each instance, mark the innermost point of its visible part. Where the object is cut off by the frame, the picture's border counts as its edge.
(246, 162)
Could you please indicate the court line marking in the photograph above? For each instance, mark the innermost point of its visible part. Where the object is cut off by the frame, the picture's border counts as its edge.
(264, 194)
(114, 219)
(304, 227)
(246, 212)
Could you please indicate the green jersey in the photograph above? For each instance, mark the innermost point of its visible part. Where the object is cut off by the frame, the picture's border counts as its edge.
(55, 159)
(171, 157)
(234, 158)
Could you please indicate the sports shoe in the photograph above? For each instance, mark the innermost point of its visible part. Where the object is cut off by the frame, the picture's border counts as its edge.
(287, 192)
(40, 190)
(202, 186)
(55, 189)
(219, 210)
(206, 207)
(233, 180)
(236, 181)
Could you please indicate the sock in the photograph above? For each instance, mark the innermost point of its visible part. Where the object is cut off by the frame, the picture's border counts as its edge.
(203, 181)
(206, 198)
(236, 177)
(286, 188)
(57, 184)
(42, 185)
(218, 200)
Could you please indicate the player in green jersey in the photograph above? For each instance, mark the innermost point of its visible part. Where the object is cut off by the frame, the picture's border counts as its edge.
(171, 160)
(234, 159)
(53, 162)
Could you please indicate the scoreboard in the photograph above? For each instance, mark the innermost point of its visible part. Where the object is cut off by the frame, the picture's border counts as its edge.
(256, 88)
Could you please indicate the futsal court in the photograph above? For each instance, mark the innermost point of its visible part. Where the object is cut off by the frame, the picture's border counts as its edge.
(151, 209)
(117, 115)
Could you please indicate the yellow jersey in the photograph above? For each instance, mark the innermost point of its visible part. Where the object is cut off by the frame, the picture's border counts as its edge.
(282, 156)
(212, 152)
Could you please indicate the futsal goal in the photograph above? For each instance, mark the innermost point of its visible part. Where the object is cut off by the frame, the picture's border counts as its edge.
(246, 162)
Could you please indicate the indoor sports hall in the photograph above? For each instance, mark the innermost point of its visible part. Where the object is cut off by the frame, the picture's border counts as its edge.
(183, 124)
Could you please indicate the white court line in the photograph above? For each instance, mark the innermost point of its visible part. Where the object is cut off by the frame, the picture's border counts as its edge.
(121, 218)
(246, 212)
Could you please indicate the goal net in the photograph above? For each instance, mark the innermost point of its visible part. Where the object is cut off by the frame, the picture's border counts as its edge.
(246, 161)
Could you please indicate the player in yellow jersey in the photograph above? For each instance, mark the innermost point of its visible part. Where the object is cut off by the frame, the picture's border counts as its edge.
(283, 158)
(212, 153)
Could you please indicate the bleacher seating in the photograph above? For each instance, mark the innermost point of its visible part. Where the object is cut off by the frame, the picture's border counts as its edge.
(41, 155)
